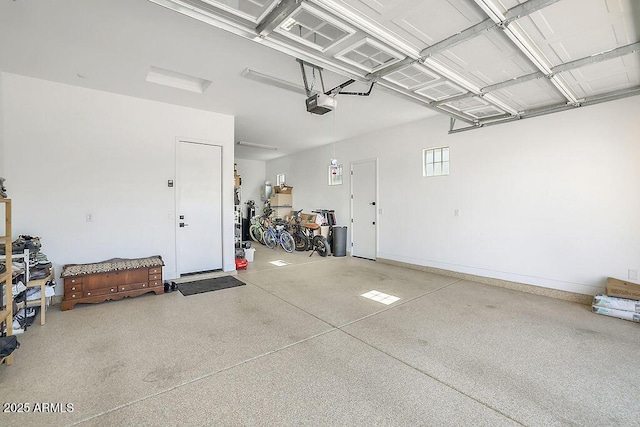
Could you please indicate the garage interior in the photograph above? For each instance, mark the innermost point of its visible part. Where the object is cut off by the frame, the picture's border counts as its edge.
(498, 146)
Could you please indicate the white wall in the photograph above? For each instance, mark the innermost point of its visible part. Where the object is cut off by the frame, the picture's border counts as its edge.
(1, 128)
(70, 151)
(550, 201)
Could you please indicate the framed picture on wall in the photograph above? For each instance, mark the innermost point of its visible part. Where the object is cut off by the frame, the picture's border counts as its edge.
(335, 174)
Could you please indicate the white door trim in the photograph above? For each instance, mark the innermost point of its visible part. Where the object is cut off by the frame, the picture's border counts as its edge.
(375, 163)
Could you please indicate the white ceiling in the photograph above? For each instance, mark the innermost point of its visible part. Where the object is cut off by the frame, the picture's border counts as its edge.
(428, 61)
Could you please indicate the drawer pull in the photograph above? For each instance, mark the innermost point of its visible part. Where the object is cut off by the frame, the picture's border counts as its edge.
(88, 293)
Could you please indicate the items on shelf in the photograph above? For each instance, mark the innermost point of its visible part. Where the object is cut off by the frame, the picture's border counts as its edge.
(32, 282)
(3, 190)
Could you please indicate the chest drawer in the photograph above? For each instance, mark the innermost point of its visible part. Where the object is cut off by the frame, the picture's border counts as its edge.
(155, 277)
(72, 280)
(73, 295)
(100, 291)
(72, 287)
(155, 270)
(133, 286)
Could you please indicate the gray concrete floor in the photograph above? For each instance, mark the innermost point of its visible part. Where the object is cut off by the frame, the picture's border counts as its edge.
(298, 345)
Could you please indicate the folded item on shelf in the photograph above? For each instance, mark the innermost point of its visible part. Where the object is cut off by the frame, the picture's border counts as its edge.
(39, 273)
(23, 317)
(17, 268)
(8, 345)
(18, 288)
(34, 293)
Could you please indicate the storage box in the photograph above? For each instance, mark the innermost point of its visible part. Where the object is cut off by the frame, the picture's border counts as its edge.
(282, 200)
(283, 189)
(621, 289)
(308, 217)
(248, 254)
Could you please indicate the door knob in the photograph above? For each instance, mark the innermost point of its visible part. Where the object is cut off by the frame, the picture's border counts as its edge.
(182, 224)
(373, 203)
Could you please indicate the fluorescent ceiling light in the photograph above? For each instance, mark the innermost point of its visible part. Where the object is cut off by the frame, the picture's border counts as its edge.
(253, 144)
(177, 80)
(272, 81)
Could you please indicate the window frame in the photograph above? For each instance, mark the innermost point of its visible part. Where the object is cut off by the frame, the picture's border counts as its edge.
(442, 170)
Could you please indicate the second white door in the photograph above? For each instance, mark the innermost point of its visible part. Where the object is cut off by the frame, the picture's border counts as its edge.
(364, 209)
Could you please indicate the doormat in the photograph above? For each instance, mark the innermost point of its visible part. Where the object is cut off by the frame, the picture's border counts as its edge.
(208, 285)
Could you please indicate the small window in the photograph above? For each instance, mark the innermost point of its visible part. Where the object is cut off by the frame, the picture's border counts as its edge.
(435, 161)
(280, 180)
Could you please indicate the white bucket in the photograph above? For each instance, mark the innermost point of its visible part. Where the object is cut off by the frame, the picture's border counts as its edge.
(248, 254)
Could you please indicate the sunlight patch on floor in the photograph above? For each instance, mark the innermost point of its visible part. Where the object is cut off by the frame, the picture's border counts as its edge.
(380, 297)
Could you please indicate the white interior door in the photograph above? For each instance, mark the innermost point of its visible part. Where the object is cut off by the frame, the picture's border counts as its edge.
(199, 207)
(364, 182)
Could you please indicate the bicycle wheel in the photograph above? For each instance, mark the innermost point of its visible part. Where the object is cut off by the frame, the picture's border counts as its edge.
(255, 231)
(321, 245)
(269, 238)
(301, 240)
(287, 242)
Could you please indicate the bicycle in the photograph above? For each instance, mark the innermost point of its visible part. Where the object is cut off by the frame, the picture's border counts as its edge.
(299, 236)
(258, 225)
(272, 236)
(304, 233)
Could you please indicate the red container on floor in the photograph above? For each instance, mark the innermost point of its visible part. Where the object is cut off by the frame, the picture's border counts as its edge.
(241, 263)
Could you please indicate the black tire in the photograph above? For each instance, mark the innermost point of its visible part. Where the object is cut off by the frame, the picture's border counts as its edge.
(302, 241)
(269, 239)
(321, 245)
(287, 241)
(256, 234)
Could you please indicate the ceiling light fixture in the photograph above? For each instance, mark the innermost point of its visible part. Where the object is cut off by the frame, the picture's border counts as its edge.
(253, 144)
(177, 80)
(257, 76)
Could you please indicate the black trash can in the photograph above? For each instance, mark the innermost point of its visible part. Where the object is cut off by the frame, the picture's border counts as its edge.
(339, 245)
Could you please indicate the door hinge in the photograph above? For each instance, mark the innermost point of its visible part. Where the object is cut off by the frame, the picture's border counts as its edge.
(352, 197)
(351, 220)
(351, 173)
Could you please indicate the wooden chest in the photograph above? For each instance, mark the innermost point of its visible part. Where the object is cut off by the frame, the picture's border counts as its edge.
(111, 280)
